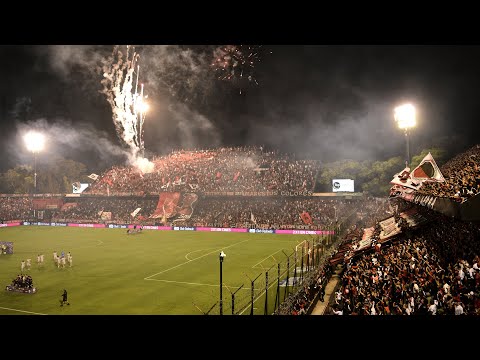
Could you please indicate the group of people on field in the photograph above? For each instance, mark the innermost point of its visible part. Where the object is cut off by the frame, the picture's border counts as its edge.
(63, 259)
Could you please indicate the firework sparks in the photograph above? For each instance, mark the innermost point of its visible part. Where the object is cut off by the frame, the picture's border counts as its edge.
(237, 62)
(128, 106)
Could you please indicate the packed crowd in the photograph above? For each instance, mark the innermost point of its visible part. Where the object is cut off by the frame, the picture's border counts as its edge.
(462, 177)
(315, 282)
(224, 169)
(15, 208)
(432, 270)
(245, 212)
(271, 213)
(301, 302)
(101, 209)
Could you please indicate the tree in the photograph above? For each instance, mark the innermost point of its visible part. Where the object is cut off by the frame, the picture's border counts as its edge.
(18, 180)
(344, 169)
(58, 176)
(439, 155)
(55, 177)
(376, 179)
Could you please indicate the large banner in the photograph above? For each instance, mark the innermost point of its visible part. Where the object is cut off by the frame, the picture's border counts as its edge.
(259, 193)
(184, 228)
(11, 224)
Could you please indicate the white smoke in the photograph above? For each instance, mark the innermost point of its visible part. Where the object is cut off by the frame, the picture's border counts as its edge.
(143, 164)
(65, 59)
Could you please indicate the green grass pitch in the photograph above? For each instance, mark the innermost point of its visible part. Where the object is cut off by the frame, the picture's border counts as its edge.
(151, 273)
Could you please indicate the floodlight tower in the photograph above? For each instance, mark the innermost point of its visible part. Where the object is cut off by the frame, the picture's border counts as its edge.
(34, 142)
(405, 117)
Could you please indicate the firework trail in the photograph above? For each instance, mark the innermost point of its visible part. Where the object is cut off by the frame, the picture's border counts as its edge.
(128, 107)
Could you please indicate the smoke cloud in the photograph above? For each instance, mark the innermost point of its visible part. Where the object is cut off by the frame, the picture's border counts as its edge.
(80, 141)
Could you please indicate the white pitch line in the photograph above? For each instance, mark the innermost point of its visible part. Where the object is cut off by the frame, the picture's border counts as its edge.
(191, 252)
(29, 312)
(190, 283)
(186, 262)
(265, 258)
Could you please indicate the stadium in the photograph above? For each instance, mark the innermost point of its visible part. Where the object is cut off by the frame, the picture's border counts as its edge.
(174, 254)
(235, 230)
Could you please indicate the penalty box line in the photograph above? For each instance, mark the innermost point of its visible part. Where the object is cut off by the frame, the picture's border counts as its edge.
(186, 262)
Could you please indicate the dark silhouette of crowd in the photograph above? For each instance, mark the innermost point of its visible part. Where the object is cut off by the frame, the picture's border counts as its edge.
(23, 282)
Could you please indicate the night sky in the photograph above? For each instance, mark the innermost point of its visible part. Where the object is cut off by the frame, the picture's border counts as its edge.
(321, 102)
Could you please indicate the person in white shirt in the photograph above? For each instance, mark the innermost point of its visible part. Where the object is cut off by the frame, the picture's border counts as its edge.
(433, 308)
(471, 272)
(41, 258)
(22, 266)
(338, 312)
(38, 259)
(458, 309)
(475, 266)
(28, 264)
(446, 288)
(408, 310)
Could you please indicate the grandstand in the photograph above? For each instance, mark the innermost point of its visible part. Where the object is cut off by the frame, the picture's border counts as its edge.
(252, 190)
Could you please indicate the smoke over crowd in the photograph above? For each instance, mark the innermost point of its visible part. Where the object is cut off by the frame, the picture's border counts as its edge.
(325, 103)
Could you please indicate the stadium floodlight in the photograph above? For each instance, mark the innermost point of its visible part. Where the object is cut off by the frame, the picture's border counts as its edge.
(142, 106)
(34, 142)
(405, 117)
(221, 256)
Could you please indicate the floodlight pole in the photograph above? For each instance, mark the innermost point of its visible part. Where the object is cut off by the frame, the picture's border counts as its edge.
(222, 255)
(221, 300)
(35, 172)
(34, 180)
(408, 146)
(405, 116)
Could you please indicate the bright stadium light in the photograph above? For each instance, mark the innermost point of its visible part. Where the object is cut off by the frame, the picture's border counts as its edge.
(221, 256)
(405, 117)
(34, 142)
(142, 106)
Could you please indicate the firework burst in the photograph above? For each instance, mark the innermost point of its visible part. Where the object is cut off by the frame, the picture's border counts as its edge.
(237, 63)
